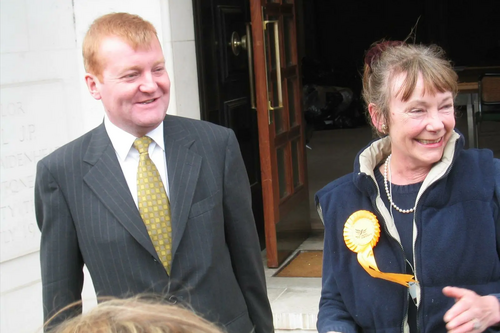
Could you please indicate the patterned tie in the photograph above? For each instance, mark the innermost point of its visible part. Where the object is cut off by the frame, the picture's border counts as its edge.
(154, 205)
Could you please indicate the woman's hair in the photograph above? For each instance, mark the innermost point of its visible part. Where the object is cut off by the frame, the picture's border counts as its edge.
(136, 315)
(388, 59)
(130, 28)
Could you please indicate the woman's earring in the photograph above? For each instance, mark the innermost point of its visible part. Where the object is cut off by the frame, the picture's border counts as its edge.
(384, 128)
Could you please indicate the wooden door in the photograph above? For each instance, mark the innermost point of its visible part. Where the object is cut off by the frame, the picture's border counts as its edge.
(281, 127)
(224, 83)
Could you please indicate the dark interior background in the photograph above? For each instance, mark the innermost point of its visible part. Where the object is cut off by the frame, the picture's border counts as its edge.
(337, 33)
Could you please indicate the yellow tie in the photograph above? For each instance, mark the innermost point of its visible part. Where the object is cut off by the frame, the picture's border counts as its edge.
(154, 205)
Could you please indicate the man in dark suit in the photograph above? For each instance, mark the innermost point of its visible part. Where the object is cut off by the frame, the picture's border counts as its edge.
(90, 208)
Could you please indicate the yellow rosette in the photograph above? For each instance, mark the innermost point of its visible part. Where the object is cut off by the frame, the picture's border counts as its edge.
(361, 234)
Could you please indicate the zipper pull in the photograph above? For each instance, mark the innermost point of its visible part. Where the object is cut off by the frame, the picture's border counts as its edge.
(413, 288)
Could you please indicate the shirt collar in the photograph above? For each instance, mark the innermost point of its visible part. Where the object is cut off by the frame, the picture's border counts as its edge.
(122, 141)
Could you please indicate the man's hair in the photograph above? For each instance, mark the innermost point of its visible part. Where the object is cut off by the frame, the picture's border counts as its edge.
(132, 29)
(136, 315)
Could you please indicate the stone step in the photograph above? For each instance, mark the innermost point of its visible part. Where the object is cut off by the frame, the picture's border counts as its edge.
(294, 308)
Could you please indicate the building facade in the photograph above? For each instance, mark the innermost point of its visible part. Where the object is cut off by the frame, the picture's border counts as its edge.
(45, 104)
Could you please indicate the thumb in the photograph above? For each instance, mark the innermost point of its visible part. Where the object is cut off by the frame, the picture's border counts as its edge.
(455, 292)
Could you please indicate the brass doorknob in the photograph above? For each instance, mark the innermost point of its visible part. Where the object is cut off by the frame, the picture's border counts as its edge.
(237, 44)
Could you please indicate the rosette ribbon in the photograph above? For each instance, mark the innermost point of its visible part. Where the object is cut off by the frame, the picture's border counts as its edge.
(361, 234)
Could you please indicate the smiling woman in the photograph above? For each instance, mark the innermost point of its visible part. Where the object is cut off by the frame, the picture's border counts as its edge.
(437, 230)
(419, 128)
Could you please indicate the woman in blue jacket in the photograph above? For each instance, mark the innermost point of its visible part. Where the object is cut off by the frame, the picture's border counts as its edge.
(412, 236)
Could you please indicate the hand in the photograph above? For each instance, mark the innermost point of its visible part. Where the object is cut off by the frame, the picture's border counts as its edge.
(471, 312)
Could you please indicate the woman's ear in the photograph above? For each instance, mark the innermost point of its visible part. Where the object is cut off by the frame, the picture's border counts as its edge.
(378, 120)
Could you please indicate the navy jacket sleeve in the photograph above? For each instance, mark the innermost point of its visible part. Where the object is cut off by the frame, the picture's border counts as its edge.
(497, 195)
(333, 315)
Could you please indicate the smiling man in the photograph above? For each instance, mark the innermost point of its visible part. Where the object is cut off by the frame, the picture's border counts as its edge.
(151, 203)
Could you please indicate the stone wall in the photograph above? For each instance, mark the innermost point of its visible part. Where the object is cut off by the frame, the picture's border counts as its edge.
(44, 103)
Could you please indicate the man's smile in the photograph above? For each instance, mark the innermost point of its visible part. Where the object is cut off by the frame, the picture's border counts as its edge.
(148, 101)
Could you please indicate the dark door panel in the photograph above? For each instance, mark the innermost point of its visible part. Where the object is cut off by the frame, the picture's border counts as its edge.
(224, 84)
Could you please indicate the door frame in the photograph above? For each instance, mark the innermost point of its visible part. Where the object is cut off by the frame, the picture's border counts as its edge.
(282, 195)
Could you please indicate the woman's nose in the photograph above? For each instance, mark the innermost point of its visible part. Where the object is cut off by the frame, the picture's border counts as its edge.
(435, 123)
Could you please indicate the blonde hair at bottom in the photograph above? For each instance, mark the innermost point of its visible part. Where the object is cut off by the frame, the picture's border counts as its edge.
(134, 315)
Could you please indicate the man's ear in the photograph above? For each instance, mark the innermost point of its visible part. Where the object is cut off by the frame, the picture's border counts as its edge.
(93, 85)
(377, 119)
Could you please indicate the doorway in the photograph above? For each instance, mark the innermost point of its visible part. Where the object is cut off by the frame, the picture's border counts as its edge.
(249, 81)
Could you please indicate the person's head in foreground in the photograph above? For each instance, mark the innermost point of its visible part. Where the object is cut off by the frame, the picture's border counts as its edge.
(136, 315)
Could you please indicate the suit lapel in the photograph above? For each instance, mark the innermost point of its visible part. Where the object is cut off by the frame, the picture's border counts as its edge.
(183, 171)
(107, 182)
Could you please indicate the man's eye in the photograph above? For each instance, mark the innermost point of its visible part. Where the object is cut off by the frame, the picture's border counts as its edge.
(130, 76)
(159, 69)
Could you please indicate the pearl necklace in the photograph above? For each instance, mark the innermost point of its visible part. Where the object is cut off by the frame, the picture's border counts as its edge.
(387, 166)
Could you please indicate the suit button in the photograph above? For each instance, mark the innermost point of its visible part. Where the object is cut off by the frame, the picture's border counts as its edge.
(154, 259)
(172, 299)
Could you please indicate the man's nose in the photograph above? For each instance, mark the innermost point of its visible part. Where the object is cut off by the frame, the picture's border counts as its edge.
(148, 83)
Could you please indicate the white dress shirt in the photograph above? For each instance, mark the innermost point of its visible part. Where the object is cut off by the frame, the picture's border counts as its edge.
(128, 156)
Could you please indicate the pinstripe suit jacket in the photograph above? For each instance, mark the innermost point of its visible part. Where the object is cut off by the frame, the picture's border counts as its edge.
(87, 215)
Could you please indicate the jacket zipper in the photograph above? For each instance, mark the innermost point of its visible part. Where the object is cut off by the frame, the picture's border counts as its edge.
(405, 318)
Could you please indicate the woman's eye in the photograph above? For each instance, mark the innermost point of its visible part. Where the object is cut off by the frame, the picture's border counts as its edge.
(416, 111)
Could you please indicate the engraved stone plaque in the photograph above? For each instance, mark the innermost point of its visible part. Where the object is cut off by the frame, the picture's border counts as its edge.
(33, 124)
